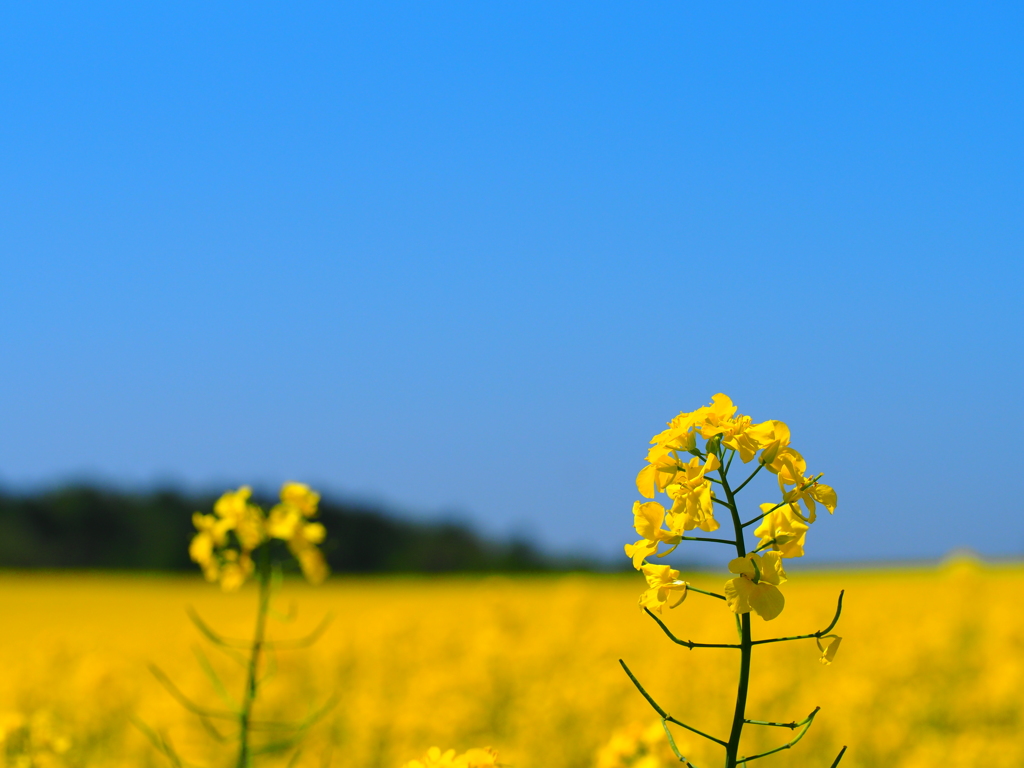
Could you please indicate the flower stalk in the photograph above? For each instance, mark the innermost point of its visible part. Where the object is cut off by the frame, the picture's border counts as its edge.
(758, 573)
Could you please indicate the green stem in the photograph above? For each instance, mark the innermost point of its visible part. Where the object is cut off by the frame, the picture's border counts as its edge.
(687, 643)
(249, 698)
(744, 483)
(705, 538)
(732, 749)
(819, 633)
(691, 588)
(806, 723)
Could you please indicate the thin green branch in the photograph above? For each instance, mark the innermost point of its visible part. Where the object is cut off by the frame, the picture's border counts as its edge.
(691, 588)
(803, 488)
(704, 538)
(792, 726)
(185, 701)
(211, 673)
(741, 485)
(725, 504)
(807, 722)
(211, 635)
(160, 741)
(665, 715)
(302, 642)
(687, 643)
(763, 514)
(820, 633)
(839, 757)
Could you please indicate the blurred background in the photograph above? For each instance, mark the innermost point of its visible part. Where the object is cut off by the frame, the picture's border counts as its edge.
(461, 261)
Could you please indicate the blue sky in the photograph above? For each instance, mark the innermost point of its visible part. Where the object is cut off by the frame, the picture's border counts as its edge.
(466, 258)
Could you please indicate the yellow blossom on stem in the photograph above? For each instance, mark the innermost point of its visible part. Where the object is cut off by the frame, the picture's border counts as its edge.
(691, 495)
(808, 491)
(663, 584)
(756, 587)
(782, 529)
(648, 517)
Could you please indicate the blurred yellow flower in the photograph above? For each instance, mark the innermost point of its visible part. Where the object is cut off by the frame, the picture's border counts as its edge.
(755, 589)
(639, 746)
(473, 758)
(231, 562)
(301, 497)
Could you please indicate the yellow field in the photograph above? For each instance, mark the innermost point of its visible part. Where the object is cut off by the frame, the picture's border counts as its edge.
(930, 673)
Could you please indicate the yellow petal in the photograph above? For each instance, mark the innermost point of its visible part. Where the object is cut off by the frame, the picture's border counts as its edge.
(828, 648)
(826, 495)
(641, 550)
(738, 592)
(742, 566)
(766, 600)
(772, 571)
(647, 518)
(646, 481)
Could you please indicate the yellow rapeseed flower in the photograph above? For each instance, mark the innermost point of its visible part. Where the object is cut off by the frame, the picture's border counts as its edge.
(691, 495)
(783, 529)
(663, 583)
(808, 491)
(229, 560)
(301, 497)
(648, 517)
(755, 589)
(288, 521)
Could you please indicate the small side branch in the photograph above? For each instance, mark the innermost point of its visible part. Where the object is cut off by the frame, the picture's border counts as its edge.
(665, 715)
(705, 538)
(212, 636)
(819, 634)
(806, 723)
(725, 504)
(689, 644)
(740, 488)
(691, 588)
(187, 703)
(302, 642)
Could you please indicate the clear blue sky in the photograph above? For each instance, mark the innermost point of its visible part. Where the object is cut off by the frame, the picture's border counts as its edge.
(468, 257)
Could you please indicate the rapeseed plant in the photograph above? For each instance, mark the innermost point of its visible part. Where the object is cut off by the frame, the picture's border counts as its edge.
(234, 543)
(782, 530)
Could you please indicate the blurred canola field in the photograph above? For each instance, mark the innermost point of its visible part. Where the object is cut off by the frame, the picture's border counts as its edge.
(930, 671)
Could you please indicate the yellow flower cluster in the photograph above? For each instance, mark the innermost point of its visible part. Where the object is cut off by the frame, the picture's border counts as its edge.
(688, 484)
(225, 541)
(639, 746)
(474, 758)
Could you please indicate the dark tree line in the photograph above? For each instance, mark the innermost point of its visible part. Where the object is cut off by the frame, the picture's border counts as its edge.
(90, 527)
